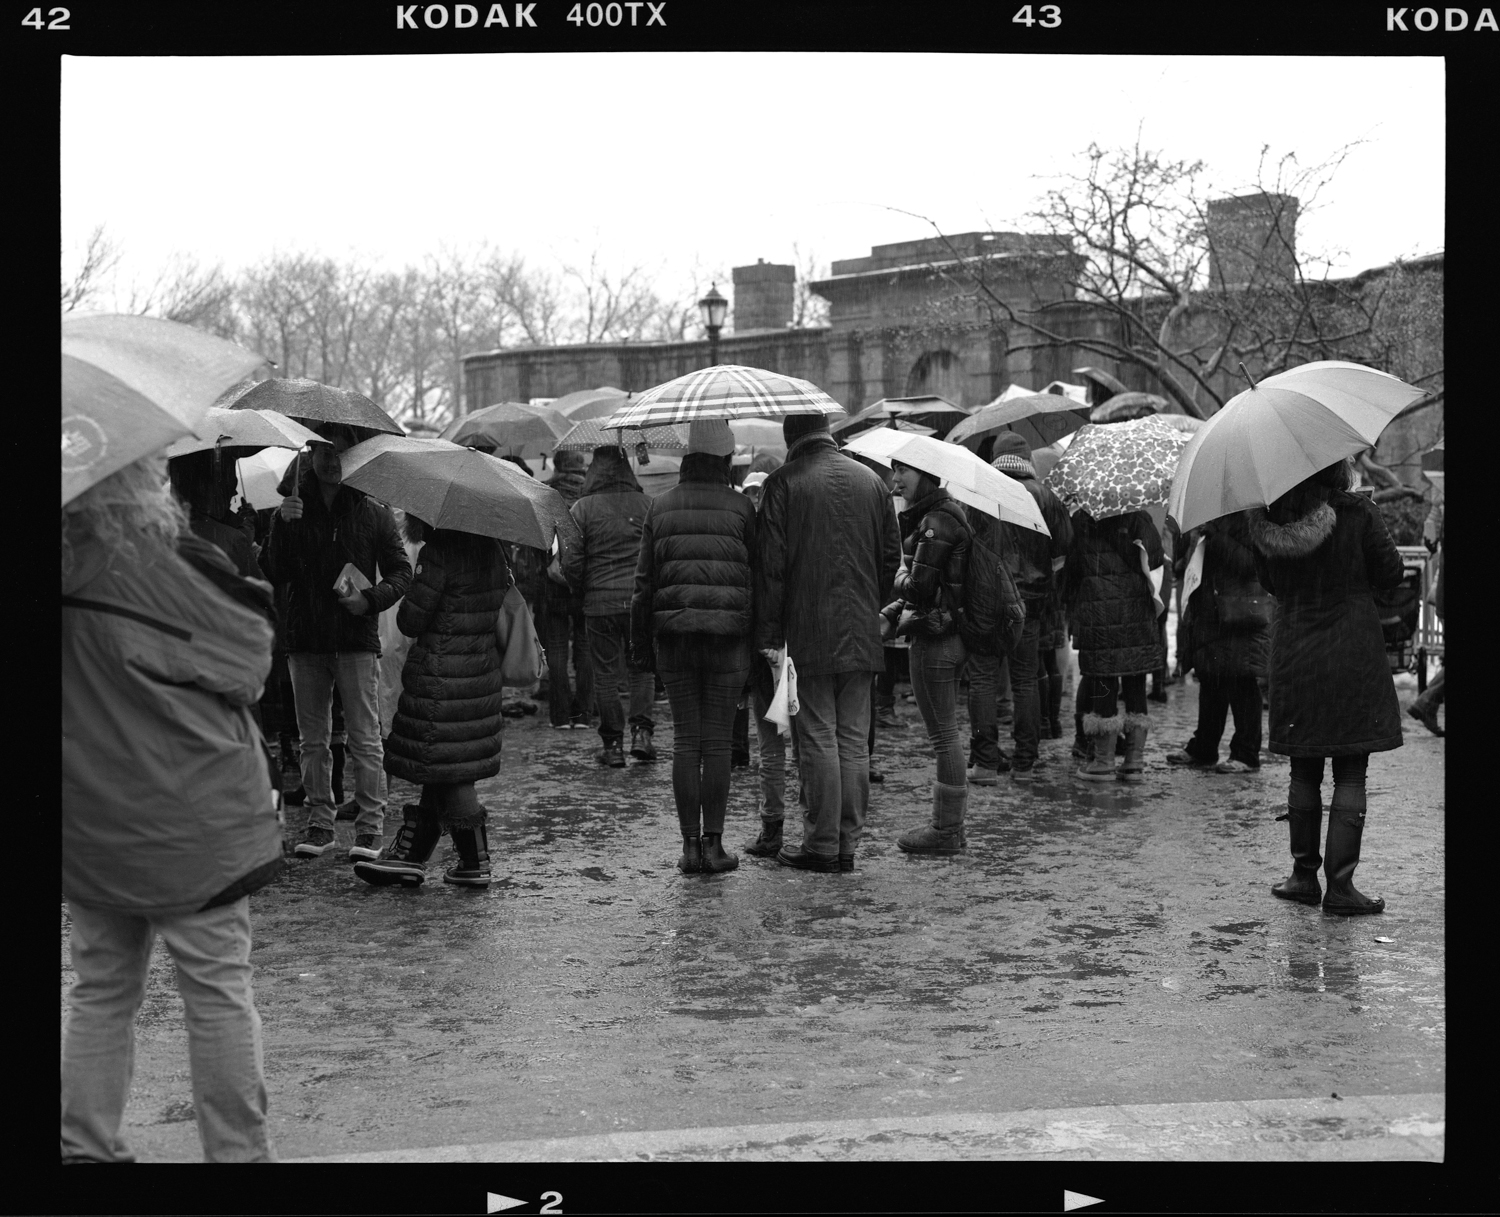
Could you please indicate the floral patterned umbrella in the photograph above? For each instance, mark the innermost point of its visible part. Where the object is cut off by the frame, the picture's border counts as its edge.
(1116, 468)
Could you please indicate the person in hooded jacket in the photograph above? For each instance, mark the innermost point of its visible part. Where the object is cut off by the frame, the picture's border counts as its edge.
(600, 565)
(570, 705)
(169, 813)
(929, 590)
(1323, 552)
(693, 589)
(446, 733)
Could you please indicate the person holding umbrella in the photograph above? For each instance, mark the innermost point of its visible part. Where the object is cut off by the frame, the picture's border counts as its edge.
(693, 590)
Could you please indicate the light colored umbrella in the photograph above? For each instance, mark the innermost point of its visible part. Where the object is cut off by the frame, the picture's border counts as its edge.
(1123, 407)
(726, 390)
(1045, 459)
(1039, 418)
(1115, 468)
(313, 401)
(758, 435)
(132, 385)
(589, 403)
(512, 427)
(451, 486)
(261, 474)
(959, 471)
(224, 428)
(1275, 435)
(1183, 422)
(591, 433)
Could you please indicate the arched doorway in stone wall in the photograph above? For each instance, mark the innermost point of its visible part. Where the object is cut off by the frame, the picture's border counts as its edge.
(938, 372)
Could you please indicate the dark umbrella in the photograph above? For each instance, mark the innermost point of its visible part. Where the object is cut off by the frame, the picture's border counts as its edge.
(1102, 380)
(314, 402)
(510, 427)
(1040, 418)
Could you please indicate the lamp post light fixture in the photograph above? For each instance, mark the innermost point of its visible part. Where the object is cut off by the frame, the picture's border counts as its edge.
(714, 308)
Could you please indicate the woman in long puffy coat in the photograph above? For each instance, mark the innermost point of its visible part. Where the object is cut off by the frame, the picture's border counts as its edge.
(929, 587)
(1110, 603)
(1323, 552)
(446, 733)
(693, 594)
(1228, 654)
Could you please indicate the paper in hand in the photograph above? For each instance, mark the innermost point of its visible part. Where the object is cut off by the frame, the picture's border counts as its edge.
(351, 579)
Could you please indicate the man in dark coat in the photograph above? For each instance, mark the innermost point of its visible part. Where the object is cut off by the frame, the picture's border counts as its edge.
(600, 565)
(829, 551)
(332, 636)
(562, 621)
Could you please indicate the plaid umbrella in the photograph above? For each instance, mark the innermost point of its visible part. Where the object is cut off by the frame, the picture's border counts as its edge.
(592, 433)
(312, 401)
(725, 390)
(511, 427)
(1116, 468)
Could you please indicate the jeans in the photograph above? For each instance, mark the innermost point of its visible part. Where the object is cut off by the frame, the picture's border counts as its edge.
(833, 727)
(935, 665)
(772, 761)
(1028, 710)
(111, 953)
(1217, 696)
(609, 647)
(356, 674)
(1307, 777)
(1101, 694)
(704, 674)
(565, 701)
(984, 715)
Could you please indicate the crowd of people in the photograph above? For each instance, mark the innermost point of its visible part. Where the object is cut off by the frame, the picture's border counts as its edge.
(174, 614)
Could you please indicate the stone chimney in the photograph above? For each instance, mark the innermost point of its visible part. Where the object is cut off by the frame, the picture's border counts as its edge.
(1250, 232)
(763, 296)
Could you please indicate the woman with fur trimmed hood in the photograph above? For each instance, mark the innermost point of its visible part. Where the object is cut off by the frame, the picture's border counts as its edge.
(1323, 552)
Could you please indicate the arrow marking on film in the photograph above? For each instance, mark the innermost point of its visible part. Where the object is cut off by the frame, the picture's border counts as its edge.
(1077, 1200)
(498, 1203)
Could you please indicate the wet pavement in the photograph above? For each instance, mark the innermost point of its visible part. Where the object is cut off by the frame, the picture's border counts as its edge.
(1109, 950)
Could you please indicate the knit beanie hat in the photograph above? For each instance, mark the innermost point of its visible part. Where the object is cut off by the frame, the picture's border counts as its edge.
(711, 435)
(795, 426)
(1012, 453)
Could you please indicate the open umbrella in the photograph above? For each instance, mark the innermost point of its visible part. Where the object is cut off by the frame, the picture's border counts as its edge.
(1123, 407)
(132, 385)
(589, 403)
(313, 401)
(591, 433)
(1118, 468)
(1039, 418)
(511, 427)
(1107, 385)
(1273, 436)
(450, 486)
(959, 471)
(261, 474)
(222, 428)
(726, 390)
(1183, 422)
(925, 409)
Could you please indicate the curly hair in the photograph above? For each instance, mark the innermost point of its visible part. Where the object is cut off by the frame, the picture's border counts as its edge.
(133, 513)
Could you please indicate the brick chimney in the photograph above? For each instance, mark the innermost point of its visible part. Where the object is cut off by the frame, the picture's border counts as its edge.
(763, 296)
(1248, 232)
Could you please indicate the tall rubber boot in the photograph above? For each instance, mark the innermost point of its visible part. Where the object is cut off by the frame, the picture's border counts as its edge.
(1101, 734)
(1133, 767)
(1346, 826)
(945, 835)
(473, 866)
(715, 857)
(401, 861)
(1305, 826)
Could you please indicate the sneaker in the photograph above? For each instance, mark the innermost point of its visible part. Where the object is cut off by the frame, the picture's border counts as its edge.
(980, 775)
(314, 842)
(876, 776)
(1234, 766)
(366, 845)
(561, 726)
(613, 756)
(1022, 772)
(347, 811)
(580, 722)
(641, 746)
(1183, 757)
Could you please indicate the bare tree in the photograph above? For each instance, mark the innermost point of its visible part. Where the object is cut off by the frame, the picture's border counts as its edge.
(184, 291)
(100, 257)
(809, 309)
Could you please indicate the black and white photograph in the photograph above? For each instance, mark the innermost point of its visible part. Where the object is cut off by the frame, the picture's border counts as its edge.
(639, 589)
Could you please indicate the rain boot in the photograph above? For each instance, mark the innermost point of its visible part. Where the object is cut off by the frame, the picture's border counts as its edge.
(473, 866)
(401, 861)
(1133, 767)
(715, 857)
(691, 862)
(1305, 826)
(945, 836)
(1346, 825)
(1101, 734)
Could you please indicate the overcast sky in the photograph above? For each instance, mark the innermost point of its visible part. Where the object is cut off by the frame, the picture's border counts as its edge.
(668, 160)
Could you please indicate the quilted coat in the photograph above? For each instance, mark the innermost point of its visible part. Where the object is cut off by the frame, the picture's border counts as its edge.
(935, 540)
(1330, 680)
(1217, 650)
(695, 570)
(609, 513)
(1108, 598)
(447, 725)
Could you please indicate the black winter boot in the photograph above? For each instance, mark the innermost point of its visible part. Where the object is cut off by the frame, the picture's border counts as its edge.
(473, 866)
(691, 862)
(1346, 826)
(715, 857)
(768, 844)
(401, 861)
(1305, 826)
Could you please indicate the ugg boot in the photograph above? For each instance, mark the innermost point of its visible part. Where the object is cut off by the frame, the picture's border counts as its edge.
(1133, 767)
(715, 857)
(473, 846)
(1346, 825)
(1101, 734)
(691, 862)
(945, 835)
(1305, 826)
(401, 861)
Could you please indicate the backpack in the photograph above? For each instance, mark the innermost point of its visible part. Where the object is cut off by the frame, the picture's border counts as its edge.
(992, 613)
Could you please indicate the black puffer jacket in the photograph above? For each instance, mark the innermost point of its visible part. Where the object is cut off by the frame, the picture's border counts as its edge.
(447, 724)
(1216, 650)
(935, 534)
(696, 567)
(306, 555)
(1108, 598)
(1331, 688)
(1034, 552)
(609, 513)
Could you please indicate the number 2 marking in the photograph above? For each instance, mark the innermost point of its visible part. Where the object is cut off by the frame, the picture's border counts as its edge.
(551, 1205)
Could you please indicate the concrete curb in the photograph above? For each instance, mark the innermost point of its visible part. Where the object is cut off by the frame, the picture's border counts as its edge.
(1355, 1128)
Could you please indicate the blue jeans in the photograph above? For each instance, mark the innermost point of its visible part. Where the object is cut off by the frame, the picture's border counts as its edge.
(935, 665)
(564, 701)
(609, 647)
(1028, 709)
(984, 716)
(703, 674)
(357, 677)
(833, 732)
(772, 761)
(111, 953)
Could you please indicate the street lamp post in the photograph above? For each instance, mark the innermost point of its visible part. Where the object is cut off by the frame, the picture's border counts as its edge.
(714, 309)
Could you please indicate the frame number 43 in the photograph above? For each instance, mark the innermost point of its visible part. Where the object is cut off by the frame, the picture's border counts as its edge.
(1050, 19)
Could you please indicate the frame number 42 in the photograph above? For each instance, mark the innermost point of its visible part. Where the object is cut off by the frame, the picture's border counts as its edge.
(60, 17)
